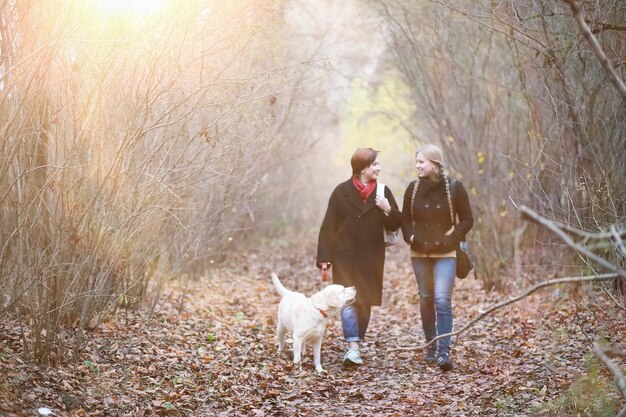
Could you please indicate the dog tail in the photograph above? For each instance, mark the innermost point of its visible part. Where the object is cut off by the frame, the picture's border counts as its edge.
(280, 289)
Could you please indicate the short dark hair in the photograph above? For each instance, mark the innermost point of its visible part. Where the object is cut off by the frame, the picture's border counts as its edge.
(362, 158)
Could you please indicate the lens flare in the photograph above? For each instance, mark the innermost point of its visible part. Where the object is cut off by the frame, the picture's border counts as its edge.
(128, 8)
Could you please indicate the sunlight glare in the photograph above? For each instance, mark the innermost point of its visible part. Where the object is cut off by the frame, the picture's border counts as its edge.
(136, 9)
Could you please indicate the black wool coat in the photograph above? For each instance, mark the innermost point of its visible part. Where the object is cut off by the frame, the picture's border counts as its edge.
(432, 216)
(351, 239)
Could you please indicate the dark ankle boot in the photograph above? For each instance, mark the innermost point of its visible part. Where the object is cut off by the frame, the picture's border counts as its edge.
(430, 356)
(443, 361)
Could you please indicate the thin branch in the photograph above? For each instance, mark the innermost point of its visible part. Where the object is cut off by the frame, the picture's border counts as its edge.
(614, 233)
(615, 370)
(618, 241)
(537, 218)
(565, 280)
(597, 27)
(613, 351)
(597, 49)
(612, 297)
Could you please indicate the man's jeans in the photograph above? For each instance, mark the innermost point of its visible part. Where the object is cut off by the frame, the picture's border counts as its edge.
(354, 320)
(435, 280)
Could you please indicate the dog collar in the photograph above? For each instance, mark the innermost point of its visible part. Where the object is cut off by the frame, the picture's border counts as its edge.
(323, 312)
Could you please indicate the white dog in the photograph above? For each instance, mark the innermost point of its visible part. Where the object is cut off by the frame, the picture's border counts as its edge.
(306, 318)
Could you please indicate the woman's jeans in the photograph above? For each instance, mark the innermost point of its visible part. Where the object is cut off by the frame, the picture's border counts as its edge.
(354, 320)
(435, 280)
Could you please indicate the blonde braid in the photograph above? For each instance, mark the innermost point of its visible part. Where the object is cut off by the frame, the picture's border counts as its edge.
(449, 195)
(417, 184)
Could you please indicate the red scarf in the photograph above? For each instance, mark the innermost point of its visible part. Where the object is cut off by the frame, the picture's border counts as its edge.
(364, 190)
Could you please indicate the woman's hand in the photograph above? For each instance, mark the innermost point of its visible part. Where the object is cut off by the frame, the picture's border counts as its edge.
(325, 268)
(383, 203)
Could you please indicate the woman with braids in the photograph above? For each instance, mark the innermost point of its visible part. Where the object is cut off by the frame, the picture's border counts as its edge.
(427, 213)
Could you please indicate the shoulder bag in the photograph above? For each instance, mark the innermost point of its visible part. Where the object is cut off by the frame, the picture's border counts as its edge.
(464, 258)
(391, 236)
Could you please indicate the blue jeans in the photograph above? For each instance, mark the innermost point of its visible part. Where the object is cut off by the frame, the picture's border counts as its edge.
(435, 281)
(354, 320)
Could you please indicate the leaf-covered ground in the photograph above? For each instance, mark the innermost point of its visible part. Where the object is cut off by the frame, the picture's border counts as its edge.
(217, 356)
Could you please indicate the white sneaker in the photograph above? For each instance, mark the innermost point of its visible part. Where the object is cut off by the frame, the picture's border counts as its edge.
(352, 358)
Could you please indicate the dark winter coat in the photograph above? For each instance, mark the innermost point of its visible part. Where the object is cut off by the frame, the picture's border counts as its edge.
(351, 239)
(432, 216)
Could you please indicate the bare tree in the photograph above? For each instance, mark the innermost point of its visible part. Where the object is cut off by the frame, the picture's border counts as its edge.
(131, 152)
(523, 109)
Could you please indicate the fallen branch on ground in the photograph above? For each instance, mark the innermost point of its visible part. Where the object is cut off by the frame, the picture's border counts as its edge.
(565, 280)
(618, 374)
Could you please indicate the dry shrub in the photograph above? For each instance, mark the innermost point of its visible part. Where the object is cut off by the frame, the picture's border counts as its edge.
(131, 152)
(525, 112)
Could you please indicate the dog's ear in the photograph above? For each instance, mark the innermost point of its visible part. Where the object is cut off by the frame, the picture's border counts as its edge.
(319, 301)
(327, 299)
(334, 300)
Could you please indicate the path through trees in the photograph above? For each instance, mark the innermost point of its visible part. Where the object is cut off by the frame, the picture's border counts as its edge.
(215, 355)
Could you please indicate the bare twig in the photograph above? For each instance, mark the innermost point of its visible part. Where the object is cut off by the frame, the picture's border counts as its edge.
(530, 214)
(613, 233)
(615, 300)
(537, 218)
(597, 27)
(618, 374)
(565, 280)
(519, 232)
(613, 351)
(619, 242)
(597, 49)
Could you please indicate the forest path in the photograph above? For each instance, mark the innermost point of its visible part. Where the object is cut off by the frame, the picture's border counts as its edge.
(513, 363)
(217, 355)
